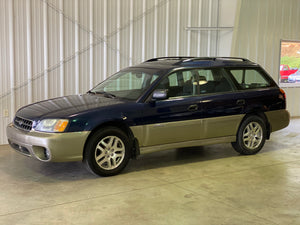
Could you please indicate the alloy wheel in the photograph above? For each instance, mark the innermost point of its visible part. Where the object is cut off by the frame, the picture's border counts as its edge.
(109, 152)
(253, 135)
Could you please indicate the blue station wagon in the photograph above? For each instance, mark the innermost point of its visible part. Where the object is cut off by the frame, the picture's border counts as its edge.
(163, 103)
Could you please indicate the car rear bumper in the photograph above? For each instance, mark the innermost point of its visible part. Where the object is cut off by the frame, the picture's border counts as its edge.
(55, 147)
(278, 119)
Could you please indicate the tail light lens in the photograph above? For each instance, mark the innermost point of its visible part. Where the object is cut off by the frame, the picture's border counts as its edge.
(282, 94)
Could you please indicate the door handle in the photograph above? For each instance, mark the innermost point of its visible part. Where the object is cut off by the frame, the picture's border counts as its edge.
(240, 102)
(192, 108)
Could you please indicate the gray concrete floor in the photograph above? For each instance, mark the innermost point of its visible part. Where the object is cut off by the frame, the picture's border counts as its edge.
(204, 185)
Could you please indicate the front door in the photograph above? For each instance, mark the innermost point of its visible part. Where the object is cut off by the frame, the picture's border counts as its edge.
(176, 119)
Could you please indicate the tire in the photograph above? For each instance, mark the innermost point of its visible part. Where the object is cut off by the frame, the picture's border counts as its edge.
(107, 152)
(251, 136)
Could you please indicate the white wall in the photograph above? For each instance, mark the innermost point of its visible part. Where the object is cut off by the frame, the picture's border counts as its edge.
(261, 24)
(51, 48)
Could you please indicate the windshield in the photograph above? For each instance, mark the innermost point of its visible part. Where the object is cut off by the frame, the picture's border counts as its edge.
(129, 84)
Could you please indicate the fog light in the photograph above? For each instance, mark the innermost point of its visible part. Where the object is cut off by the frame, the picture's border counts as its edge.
(47, 153)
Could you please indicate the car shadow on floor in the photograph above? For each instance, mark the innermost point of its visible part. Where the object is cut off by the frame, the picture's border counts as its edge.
(180, 156)
(26, 168)
(30, 169)
(188, 155)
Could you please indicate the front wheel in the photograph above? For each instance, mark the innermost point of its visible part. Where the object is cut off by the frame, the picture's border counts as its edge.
(107, 152)
(251, 136)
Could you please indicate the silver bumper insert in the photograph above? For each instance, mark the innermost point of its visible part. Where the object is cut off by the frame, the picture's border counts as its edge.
(56, 147)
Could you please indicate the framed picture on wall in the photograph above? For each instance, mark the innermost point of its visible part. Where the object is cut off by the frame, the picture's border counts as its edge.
(289, 70)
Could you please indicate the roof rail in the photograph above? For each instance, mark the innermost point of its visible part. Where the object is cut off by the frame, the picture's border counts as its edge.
(172, 57)
(186, 59)
(234, 58)
(214, 59)
(197, 59)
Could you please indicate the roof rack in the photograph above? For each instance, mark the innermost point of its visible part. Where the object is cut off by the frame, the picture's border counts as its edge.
(170, 58)
(187, 59)
(214, 59)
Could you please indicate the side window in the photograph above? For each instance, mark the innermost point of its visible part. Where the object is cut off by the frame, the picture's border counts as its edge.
(196, 82)
(238, 75)
(207, 74)
(173, 80)
(250, 78)
(154, 77)
(214, 81)
(176, 83)
(187, 75)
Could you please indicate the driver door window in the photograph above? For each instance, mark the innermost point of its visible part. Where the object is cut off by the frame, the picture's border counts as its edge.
(181, 83)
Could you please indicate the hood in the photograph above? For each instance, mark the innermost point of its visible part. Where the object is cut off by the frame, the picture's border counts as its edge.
(65, 107)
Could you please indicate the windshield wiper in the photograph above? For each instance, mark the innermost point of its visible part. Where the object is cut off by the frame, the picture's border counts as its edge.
(106, 94)
(91, 92)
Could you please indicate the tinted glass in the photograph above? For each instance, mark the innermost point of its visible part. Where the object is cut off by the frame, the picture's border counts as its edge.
(129, 85)
(250, 78)
(196, 82)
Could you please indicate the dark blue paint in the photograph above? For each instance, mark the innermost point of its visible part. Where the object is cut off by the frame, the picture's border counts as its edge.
(88, 111)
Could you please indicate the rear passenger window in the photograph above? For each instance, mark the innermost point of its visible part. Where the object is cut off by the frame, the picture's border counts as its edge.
(214, 81)
(250, 78)
(196, 82)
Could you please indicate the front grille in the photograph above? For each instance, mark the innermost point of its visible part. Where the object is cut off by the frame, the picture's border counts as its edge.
(22, 123)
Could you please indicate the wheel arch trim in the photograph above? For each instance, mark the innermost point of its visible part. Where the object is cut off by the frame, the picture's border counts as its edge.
(119, 124)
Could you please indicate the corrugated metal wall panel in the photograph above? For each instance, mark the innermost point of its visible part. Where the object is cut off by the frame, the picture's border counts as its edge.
(63, 47)
(4, 42)
(20, 54)
(4, 68)
(259, 38)
(37, 49)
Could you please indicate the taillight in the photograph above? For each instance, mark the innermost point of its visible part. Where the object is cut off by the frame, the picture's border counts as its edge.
(282, 94)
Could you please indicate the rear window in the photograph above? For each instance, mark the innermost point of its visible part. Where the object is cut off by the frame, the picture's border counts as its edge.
(250, 78)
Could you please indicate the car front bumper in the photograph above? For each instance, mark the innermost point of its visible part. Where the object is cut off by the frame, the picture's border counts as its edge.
(55, 147)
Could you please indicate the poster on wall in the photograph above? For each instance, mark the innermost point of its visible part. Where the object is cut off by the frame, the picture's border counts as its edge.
(289, 63)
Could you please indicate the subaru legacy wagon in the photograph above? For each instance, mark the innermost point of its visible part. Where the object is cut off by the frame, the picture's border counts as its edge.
(163, 103)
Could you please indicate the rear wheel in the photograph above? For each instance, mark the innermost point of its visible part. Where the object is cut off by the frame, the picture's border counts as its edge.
(107, 152)
(251, 136)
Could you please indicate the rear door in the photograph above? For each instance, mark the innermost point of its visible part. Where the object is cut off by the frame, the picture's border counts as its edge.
(222, 105)
(259, 90)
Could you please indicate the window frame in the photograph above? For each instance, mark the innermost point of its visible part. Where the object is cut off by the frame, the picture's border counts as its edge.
(260, 70)
(234, 85)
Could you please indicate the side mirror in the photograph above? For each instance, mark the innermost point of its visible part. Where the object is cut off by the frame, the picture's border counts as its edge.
(160, 94)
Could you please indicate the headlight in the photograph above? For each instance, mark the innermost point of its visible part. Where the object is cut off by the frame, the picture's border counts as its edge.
(52, 125)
